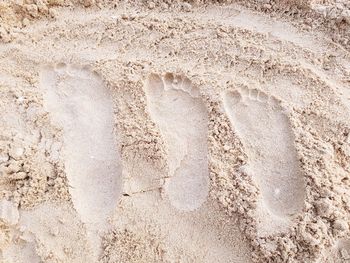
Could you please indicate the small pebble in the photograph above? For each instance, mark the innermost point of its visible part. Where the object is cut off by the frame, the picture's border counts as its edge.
(16, 153)
(186, 7)
(25, 23)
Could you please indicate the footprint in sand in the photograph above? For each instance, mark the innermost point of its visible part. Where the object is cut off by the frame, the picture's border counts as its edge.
(265, 132)
(78, 101)
(176, 107)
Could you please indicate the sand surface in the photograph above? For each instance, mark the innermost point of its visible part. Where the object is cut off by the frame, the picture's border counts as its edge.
(171, 131)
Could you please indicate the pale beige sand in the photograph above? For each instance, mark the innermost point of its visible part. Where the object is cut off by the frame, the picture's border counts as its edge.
(174, 131)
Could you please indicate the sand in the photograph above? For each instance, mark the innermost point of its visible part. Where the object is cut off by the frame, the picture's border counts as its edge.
(170, 131)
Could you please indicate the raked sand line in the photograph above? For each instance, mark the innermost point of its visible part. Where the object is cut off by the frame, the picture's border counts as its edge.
(79, 102)
(267, 137)
(176, 107)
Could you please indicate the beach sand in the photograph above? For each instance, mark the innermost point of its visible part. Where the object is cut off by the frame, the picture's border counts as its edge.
(170, 131)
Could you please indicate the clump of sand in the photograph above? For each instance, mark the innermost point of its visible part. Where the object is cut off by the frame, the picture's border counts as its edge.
(174, 131)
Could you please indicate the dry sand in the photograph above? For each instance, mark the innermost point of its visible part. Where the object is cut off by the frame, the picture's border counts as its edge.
(171, 131)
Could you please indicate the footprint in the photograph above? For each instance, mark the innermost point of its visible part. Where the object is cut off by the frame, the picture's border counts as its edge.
(176, 107)
(264, 129)
(78, 101)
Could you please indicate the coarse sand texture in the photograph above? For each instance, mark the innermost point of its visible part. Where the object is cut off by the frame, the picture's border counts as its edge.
(184, 131)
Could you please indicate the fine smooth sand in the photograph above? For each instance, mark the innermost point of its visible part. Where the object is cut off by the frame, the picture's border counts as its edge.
(173, 131)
